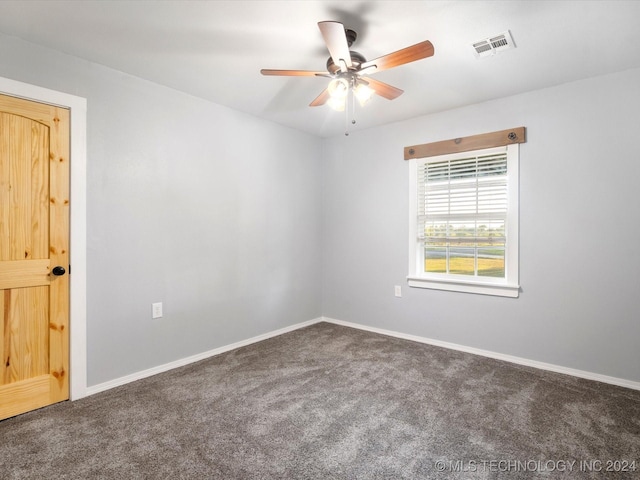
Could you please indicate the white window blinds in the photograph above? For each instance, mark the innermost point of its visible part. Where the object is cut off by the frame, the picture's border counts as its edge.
(463, 201)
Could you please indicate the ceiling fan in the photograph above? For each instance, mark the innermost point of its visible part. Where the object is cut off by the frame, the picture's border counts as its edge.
(349, 70)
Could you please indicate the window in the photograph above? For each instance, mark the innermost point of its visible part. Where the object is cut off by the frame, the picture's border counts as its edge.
(464, 222)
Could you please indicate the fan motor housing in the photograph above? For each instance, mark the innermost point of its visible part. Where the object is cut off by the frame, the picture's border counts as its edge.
(357, 59)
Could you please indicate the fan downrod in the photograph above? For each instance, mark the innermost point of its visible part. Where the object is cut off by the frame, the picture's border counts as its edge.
(351, 36)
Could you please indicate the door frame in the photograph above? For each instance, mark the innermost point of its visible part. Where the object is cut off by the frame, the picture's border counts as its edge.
(78, 221)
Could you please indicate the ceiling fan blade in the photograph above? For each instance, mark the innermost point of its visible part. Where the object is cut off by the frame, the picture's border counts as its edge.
(292, 73)
(384, 89)
(406, 55)
(321, 99)
(336, 40)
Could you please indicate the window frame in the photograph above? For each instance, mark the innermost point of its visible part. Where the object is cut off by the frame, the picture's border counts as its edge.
(506, 287)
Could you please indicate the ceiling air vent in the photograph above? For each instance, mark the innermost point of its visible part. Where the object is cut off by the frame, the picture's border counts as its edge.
(492, 45)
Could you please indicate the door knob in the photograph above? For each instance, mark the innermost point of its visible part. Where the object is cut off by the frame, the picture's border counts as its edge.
(57, 271)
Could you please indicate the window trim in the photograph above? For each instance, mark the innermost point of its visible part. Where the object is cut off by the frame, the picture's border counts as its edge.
(507, 287)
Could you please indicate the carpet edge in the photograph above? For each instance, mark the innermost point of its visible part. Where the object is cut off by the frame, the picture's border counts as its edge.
(620, 382)
(117, 382)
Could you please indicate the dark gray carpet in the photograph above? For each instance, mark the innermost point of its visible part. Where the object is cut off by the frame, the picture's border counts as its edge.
(330, 402)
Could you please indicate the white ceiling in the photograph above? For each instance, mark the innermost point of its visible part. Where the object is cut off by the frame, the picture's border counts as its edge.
(215, 49)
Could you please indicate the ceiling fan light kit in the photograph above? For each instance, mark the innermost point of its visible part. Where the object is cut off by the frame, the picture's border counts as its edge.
(363, 93)
(347, 68)
(338, 87)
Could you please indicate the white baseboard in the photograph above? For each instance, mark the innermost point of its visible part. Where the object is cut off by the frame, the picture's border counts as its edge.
(439, 343)
(621, 382)
(101, 387)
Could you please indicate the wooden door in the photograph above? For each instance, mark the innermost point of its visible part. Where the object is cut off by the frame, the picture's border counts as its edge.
(34, 239)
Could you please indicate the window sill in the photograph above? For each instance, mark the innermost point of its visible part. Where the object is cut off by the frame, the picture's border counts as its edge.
(466, 286)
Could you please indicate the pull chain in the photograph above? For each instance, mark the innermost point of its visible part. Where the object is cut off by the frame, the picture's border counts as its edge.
(353, 108)
(346, 114)
(353, 111)
(346, 118)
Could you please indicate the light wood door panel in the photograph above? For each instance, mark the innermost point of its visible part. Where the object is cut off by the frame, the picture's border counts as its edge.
(26, 337)
(34, 238)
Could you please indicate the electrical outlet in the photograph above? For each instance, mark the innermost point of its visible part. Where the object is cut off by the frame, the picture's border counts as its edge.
(398, 291)
(156, 310)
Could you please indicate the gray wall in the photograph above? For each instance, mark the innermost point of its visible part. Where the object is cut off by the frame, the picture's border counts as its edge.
(219, 216)
(579, 228)
(210, 211)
